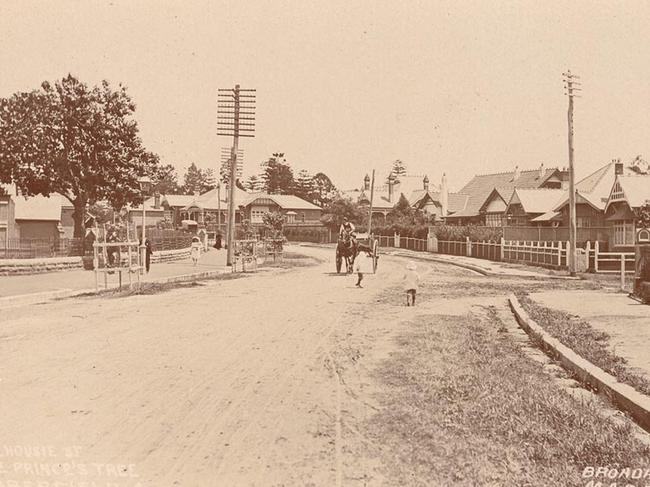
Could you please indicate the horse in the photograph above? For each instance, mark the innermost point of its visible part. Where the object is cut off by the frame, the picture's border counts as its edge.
(346, 248)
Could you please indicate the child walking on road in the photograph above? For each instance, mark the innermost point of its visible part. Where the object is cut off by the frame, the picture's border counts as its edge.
(195, 250)
(411, 283)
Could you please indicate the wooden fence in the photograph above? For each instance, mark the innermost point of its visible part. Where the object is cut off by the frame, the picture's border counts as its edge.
(33, 248)
(541, 253)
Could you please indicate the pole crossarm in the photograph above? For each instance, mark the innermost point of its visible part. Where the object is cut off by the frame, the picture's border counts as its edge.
(235, 118)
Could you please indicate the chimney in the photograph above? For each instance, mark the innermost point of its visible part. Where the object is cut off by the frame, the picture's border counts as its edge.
(444, 196)
(156, 200)
(541, 171)
(366, 183)
(517, 174)
(391, 183)
(425, 183)
(618, 167)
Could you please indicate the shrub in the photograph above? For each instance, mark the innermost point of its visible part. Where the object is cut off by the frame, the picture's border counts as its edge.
(475, 233)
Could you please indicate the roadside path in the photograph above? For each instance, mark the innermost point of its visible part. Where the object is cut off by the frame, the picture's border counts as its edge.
(625, 320)
(80, 279)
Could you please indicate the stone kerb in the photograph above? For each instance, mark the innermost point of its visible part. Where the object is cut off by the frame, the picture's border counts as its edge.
(170, 255)
(627, 398)
(36, 266)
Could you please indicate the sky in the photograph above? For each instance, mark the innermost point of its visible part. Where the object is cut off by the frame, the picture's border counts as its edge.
(345, 87)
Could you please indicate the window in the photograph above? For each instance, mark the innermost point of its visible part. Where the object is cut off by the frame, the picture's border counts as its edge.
(583, 222)
(257, 216)
(302, 217)
(493, 220)
(4, 211)
(624, 233)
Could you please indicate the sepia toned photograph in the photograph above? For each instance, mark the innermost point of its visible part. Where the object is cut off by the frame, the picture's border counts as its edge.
(280, 243)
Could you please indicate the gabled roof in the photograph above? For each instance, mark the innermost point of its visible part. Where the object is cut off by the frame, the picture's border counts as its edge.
(636, 189)
(42, 208)
(284, 201)
(181, 200)
(480, 186)
(547, 217)
(538, 200)
(503, 193)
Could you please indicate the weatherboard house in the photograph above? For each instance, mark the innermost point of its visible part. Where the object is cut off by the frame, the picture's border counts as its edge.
(488, 195)
(436, 202)
(296, 211)
(34, 217)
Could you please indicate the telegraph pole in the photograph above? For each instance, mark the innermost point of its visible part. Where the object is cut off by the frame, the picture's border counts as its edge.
(372, 194)
(235, 118)
(570, 85)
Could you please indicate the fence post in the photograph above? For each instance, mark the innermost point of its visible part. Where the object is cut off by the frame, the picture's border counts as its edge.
(596, 249)
(566, 254)
(622, 271)
(559, 254)
(588, 252)
(503, 242)
(468, 246)
(396, 240)
(432, 243)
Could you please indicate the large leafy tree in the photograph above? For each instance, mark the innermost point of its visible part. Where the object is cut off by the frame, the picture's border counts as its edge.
(403, 214)
(342, 207)
(165, 180)
(277, 175)
(197, 180)
(76, 140)
(643, 216)
(324, 190)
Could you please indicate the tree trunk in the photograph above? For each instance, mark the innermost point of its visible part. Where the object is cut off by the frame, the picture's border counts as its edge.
(78, 215)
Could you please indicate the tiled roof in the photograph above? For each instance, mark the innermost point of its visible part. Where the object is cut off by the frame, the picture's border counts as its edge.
(636, 189)
(546, 217)
(179, 199)
(38, 207)
(284, 201)
(209, 199)
(480, 186)
(538, 200)
(596, 187)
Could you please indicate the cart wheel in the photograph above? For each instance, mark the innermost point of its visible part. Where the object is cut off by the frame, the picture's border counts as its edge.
(339, 262)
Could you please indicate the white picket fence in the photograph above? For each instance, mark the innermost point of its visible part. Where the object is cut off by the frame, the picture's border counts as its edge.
(549, 254)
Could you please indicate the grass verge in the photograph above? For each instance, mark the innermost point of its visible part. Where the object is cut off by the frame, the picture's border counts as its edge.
(462, 405)
(583, 339)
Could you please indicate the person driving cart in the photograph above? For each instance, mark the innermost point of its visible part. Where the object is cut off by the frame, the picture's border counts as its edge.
(346, 227)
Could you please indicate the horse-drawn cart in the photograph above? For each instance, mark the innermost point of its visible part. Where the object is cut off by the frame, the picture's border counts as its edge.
(347, 251)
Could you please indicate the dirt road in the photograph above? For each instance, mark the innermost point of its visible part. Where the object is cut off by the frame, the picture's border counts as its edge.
(287, 377)
(227, 383)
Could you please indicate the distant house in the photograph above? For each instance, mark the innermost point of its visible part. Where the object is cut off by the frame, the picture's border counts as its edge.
(297, 212)
(526, 205)
(435, 202)
(35, 217)
(489, 194)
(629, 193)
(178, 208)
(592, 193)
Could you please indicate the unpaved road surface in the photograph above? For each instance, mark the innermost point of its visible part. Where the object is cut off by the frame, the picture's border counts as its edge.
(264, 380)
(228, 383)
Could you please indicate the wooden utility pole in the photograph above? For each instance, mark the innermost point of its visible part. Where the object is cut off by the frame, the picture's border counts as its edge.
(372, 195)
(571, 88)
(235, 118)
